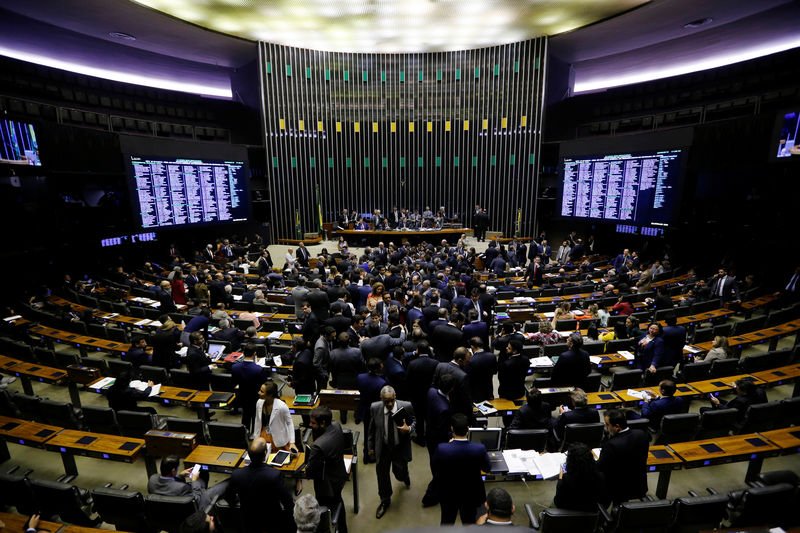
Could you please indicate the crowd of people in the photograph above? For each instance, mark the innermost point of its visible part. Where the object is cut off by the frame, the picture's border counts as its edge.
(412, 328)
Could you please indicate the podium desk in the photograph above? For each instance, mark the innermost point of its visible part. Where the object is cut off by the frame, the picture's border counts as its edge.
(97, 445)
(723, 384)
(23, 432)
(787, 439)
(340, 399)
(215, 458)
(16, 522)
(683, 390)
(750, 447)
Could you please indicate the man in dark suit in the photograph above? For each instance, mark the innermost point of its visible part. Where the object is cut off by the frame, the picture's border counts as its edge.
(389, 443)
(475, 328)
(322, 356)
(623, 459)
(621, 259)
(578, 412)
(481, 369)
(346, 363)
(573, 366)
(655, 408)
(261, 492)
(319, 300)
(724, 287)
(197, 361)
(448, 337)
(458, 467)
(535, 271)
(169, 483)
(302, 255)
(544, 252)
(533, 414)
(310, 325)
(326, 461)
(379, 345)
(415, 313)
(460, 397)
(674, 337)
(229, 334)
(248, 377)
(338, 321)
(164, 296)
(419, 376)
(369, 388)
(437, 429)
(512, 371)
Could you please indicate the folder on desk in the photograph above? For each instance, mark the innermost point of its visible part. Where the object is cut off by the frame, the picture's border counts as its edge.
(497, 464)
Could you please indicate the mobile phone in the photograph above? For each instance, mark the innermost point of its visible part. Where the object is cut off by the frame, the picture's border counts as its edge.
(195, 470)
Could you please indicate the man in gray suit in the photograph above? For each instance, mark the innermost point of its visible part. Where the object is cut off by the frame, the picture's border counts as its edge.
(389, 443)
(379, 344)
(299, 296)
(169, 483)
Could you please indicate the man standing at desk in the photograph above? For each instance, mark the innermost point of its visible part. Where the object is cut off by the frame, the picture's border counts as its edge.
(623, 459)
(248, 377)
(326, 461)
(262, 495)
(390, 444)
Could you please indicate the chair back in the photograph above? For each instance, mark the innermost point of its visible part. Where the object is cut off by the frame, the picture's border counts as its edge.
(699, 513)
(167, 513)
(182, 378)
(117, 367)
(589, 434)
(644, 517)
(124, 509)
(16, 491)
(678, 428)
(761, 417)
(227, 435)
(526, 439)
(59, 414)
(156, 374)
(717, 423)
(188, 425)
(724, 367)
(63, 500)
(626, 379)
(135, 423)
(764, 506)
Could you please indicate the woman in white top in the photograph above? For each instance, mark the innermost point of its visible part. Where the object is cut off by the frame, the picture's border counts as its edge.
(273, 422)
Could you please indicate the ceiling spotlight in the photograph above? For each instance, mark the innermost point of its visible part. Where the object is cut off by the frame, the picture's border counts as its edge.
(697, 23)
(121, 35)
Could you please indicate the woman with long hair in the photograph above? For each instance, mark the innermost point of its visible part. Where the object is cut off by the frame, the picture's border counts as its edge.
(581, 486)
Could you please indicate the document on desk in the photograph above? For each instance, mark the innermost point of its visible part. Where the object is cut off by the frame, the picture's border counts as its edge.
(638, 394)
(549, 314)
(541, 361)
(182, 351)
(549, 464)
(142, 322)
(516, 463)
(595, 359)
(691, 349)
(627, 355)
(104, 383)
(275, 335)
(12, 318)
(155, 390)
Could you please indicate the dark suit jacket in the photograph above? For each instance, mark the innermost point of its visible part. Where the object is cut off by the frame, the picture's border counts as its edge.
(730, 289)
(511, 374)
(476, 329)
(167, 303)
(302, 256)
(446, 340)
(311, 328)
(345, 366)
(674, 339)
(623, 461)
(419, 376)
(651, 353)
(581, 493)
(165, 343)
(437, 419)
(168, 486)
(232, 335)
(249, 376)
(582, 415)
(457, 467)
(416, 314)
(369, 387)
(527, 417)
(339, 322)
(460, 396)
(655, 410)
(304, 376)
(319, 303)
(572, 368)
(265, 502)
(481, 369)
(534, 274)
(326, 464)
(197, 364)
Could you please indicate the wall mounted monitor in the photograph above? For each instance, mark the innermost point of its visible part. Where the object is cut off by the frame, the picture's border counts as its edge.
(173, 192)
(18, 144)
(640, 188)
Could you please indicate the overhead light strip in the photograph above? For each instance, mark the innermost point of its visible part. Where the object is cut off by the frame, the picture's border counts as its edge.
(719, 60)
(124, 77)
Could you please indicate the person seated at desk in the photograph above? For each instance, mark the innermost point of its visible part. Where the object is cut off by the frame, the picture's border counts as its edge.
(578, 412)
(229, 334)
(274, 424)
(534, 413)
(747, 394)
(168, 482)
(581, 486)
(122, 397)
(361, 225)
(719, 350)
(655, 407)
(137, 356)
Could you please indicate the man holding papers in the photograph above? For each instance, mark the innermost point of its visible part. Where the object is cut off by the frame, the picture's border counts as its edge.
(389, 443)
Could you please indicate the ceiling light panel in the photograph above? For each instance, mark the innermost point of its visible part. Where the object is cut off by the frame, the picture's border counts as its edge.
(391, 25)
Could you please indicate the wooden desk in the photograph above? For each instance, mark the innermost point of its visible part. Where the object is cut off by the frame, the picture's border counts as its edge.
(778, 376)
(662, 460)
(787, 439)
(23, 432)
(205, 399)
(603, 400)
(98, 445)
(215, 458)
(336, 399)
(17, 522)
(80, 529)
(298, 409)
(723, 384)
(750, 447)
(173, 395)
(80, 341)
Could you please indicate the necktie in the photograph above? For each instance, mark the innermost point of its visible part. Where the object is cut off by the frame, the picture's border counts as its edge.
(721, 285)
(792, 283)
(389, 430)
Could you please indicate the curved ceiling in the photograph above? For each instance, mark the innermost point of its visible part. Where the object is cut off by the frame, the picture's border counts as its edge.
(391, 26)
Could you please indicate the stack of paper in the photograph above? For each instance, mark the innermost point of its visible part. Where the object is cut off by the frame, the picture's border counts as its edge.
(156, 323)
(549, 314)
(595, 359)
(104, 383)
(540, 465)
(549, 464)
(638, 394)
(541, 361)
(12, 318)
(142, 322)
(692, 349)
(275, 335)
(276, 360)
(626, 354)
